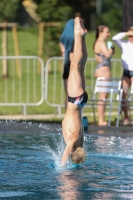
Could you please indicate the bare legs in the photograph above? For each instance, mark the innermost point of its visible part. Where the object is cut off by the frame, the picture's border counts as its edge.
(125, 84)
(85, 55)
(101, 110)
(76, 82)
(106, 73)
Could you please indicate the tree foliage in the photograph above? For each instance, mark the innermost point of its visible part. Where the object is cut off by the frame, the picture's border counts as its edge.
(112, 14)
(84, 8)
(63, 10)
(8, 9)
(53, 11)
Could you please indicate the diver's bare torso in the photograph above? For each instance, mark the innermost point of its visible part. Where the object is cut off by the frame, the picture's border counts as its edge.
(72, 123)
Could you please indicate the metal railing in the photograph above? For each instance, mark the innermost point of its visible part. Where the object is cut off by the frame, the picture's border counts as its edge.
(29, 83)
(23, 81)
(53, 78)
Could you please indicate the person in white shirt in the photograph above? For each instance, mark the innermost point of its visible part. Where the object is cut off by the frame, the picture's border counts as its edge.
(127, 63)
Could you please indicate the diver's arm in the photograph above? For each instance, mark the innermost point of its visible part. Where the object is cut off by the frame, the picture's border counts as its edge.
(68, 150)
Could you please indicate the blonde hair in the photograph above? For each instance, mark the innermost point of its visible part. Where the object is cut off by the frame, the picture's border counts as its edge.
(79, 156)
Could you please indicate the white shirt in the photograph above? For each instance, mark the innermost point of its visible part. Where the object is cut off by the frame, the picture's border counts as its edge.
(127, 50)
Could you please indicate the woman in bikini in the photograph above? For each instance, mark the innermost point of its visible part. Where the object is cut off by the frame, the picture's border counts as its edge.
(103, 69)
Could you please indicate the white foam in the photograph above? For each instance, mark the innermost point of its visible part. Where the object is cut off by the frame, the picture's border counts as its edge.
(56, 155)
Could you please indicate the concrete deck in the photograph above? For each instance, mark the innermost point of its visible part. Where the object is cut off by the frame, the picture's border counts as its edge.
(30, 117)
(39, 124)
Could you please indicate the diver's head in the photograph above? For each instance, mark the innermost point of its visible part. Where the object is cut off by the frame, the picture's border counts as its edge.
(78, 156)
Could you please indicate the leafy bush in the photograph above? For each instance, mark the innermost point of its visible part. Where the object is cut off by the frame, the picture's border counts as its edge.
(53, 11)
(8, 10)
(112, 14)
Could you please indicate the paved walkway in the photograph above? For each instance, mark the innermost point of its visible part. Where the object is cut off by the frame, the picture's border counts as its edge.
(42, 116)
(40, 123)
(31, 117)
(121, 131)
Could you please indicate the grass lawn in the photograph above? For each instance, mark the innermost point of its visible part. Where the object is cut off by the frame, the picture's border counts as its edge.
(28, 45)
(28, 42)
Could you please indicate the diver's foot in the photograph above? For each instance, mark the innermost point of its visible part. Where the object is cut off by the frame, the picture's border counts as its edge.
(79, 28)
(103, 123)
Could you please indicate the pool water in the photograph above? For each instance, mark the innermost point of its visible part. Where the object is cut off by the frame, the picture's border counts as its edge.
(29, 167)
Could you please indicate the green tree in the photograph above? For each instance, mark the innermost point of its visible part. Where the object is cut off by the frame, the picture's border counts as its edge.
(84, 8)
(111, 14)
(8, 9)
(62, 10)
(53, 11)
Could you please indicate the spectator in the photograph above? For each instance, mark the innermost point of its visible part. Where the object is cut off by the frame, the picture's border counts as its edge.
(66, 46)
(103, 69)
(127, 62)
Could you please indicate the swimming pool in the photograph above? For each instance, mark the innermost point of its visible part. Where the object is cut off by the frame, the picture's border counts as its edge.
(29, 158)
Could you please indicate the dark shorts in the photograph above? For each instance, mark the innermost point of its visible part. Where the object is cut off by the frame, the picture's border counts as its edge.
(80, 101)
(128, 73)
(66, 71)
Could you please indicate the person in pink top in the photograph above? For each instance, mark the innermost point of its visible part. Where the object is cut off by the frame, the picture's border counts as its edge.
(126, 47)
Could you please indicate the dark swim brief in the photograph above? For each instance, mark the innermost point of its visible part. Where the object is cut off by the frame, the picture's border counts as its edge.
(66, 71)
(128, 73)
(80, 101)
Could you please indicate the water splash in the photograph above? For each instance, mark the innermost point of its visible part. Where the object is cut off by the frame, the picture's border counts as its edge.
(56, 153)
